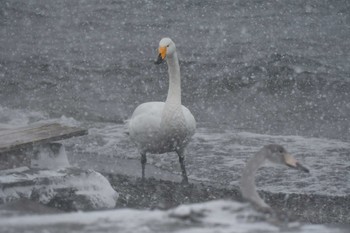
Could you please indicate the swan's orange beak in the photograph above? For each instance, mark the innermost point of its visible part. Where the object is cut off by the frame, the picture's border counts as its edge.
(162, 52)
(161, 56)
(293, 163)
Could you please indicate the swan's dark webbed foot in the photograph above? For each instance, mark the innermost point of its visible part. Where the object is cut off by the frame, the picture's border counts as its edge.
(184, 180)
(143, 164)
(181, 155)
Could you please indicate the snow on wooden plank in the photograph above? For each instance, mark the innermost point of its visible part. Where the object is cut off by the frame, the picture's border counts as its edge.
(18, 138)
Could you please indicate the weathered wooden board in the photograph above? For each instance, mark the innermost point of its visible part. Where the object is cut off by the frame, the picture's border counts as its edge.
(18, 138)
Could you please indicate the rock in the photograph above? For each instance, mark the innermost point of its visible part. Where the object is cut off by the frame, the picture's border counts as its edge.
(67, 189)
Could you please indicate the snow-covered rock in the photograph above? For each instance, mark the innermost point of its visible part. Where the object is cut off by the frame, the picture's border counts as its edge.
(66, 188)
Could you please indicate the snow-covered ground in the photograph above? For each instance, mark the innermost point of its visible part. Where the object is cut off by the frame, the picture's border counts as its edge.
(215, 216)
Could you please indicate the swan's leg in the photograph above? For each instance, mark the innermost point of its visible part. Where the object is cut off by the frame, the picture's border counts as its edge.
(181, 155)
(143, 164)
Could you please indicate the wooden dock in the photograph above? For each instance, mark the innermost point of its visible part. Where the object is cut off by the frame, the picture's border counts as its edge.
(35, 134)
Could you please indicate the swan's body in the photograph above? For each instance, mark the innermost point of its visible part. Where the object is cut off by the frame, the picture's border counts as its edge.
(160, 127)
(150, 136)
(274, 153)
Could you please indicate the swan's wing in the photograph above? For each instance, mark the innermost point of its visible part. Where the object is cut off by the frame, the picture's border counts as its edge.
(145, 121)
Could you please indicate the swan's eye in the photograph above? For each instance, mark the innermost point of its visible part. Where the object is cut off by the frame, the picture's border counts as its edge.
(168, 45)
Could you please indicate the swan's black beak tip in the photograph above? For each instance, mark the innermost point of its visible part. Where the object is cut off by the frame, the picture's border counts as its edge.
(159, 60)
(302, 168)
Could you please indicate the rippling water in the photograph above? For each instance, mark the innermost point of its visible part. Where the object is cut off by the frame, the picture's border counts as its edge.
(276, 67)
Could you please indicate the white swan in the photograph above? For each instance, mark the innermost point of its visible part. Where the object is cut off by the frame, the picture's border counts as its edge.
(160, 127)
(274, 153)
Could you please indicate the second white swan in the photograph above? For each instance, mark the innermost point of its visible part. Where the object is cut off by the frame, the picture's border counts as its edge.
(274, 153)
(160, 127)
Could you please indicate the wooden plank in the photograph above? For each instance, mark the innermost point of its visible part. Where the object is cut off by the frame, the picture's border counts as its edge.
(18, 138)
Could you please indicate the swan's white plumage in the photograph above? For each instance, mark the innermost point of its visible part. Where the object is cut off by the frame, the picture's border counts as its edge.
(145, 128)
(160, 127)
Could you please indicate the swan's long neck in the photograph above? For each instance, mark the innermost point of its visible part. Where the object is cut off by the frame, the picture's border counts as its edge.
(174, 92)
(173, 120)
(247, 182)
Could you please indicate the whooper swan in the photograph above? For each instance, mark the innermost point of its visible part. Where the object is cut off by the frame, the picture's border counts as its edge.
(160, 127)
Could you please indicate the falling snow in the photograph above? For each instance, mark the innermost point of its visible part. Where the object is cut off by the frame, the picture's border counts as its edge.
(253, 72)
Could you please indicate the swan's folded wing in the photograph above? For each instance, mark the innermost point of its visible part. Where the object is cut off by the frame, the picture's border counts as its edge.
(145, 121)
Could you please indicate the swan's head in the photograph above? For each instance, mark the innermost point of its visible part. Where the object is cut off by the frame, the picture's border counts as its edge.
(166, 48)
(277, 154)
